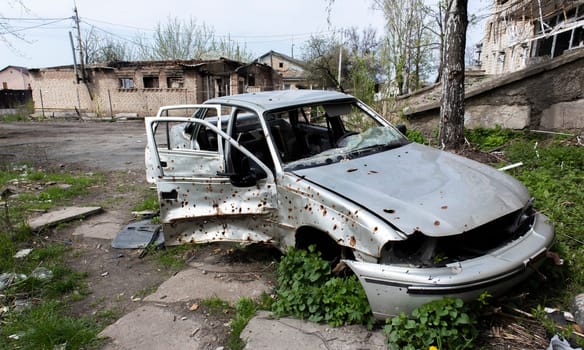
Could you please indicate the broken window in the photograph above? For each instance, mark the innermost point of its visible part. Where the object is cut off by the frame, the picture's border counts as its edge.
(151, 82)
(127, 83)
(251, 80)
(578, 37)
(175, 82)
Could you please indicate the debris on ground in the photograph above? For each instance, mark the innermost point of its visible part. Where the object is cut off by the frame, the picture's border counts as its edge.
(9, 278)
(41, 273)
(58, 216)
(22, 253)
(578, 308)
(138, 235)
(560, 344)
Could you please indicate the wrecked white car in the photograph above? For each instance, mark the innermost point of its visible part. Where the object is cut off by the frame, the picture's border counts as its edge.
(296, 168)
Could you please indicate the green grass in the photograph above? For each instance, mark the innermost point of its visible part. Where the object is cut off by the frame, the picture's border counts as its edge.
(217, 305)
(245, 309)
(46, 326)
(553, 171)
(17, 117)
(173, 257)
(150, 202)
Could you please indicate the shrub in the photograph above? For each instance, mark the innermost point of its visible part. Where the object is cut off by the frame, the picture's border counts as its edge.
(445, 323)
(308, 290)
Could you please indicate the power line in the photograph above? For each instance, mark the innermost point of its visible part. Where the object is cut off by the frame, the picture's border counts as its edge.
(33, 19)
(13, 32)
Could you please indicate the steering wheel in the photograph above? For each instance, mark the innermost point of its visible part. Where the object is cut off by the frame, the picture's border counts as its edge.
(342, 141)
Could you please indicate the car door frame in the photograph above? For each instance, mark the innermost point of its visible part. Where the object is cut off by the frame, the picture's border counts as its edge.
(207, 207)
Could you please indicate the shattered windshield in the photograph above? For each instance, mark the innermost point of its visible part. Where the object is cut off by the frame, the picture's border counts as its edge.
(320, 134)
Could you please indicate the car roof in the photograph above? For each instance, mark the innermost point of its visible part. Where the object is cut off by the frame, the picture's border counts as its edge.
(270, 100)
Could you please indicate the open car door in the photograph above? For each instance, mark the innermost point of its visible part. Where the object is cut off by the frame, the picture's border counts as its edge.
(199, 201)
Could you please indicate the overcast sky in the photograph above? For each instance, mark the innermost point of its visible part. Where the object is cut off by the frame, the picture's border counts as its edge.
(261, 25)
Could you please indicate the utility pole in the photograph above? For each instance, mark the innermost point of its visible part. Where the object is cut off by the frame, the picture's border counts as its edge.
(80, 43)
(340, 62)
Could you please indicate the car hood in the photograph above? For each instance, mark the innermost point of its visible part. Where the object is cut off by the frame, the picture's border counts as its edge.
(419, 188)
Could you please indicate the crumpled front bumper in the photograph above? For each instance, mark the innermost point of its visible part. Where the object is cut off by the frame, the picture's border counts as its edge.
(394, 289)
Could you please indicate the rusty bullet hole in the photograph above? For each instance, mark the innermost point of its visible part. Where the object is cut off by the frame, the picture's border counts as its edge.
(351, 170)
(306, 207)
(335, 227)
(290, 209)
(436, 223)
(352, 241)
(215, 205)
(259, 205)
(375, 229)
(444, 207)
(373, 172)
(389, 211)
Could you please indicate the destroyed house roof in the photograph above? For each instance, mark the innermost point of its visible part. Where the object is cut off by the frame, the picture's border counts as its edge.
(532, 9)
(284, 56)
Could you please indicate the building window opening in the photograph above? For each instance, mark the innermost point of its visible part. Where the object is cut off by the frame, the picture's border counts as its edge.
(281, 64)
(151, 83)
(251, 80)
(127, 83)
(562, 43)
(175, 82)
(578, 37)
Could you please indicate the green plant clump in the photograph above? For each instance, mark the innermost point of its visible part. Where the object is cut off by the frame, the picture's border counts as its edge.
(417, 136)
(45, 326)
(445, 323)
(245, 309)
(488, 139)
(308, 290)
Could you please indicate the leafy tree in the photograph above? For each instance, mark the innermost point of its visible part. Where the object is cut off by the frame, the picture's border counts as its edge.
(188, 39)
(363, 70)
(359, 68)
(321, 55)
(103, 48)
(408, 42)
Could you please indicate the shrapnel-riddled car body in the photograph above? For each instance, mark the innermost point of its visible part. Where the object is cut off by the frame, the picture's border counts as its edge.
(296, 168)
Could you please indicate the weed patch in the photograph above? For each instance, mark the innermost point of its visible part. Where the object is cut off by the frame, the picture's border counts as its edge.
(150, 202)
(40, 280)
(245, 309)
(46, 326)
(446, 323)
(307, 290)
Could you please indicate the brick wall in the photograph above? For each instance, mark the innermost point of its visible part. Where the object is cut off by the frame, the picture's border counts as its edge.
(59, 92)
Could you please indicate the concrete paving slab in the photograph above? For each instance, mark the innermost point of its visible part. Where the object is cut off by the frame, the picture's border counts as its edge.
(265, 332)
(61, 215)
(104, 226)
(206, 281)
(153, 328)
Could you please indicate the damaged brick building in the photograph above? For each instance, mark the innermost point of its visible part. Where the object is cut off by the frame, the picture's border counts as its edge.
(523, 32)
(140, 88)
(532, 61)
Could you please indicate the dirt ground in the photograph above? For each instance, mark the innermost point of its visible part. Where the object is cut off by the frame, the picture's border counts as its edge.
(118, 280)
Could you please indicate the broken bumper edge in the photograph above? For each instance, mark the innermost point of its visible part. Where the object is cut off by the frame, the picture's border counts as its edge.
(394, 289)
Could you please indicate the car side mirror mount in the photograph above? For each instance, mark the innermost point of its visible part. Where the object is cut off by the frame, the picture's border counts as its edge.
(402, 128)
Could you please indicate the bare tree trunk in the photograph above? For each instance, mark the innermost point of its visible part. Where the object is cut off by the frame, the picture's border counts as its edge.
(452, 99)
